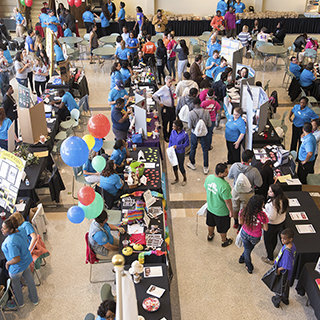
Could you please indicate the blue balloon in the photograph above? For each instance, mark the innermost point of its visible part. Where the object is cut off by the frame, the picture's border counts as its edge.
(76, 214)
(98, 144)
(74, 151)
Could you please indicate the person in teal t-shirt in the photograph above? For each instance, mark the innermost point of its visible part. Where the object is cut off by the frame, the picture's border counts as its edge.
(106, 310)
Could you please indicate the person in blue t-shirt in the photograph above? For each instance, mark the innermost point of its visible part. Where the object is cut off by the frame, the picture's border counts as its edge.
(20, 20)
(132, 45)
(211, 63)
(5, 124)
(239, 6)
(306, 154)
(118, 92)
(15, 250)
(110, 180)
(302, 114)
(140, 19)
(219, 69)
(43, 18)
(115, 74)
(112, 9)
(90, 175)
(58, 51)
(106, 310)
(66, 31)
(126, 72)
(213, 45)
(295, 68)
(88, 19)
(104, 24)
(29, 41)
(65, 105)
(120, 153)
(52, 22)
(307, 77)
(222, 7)
(122, 53)
(121, 17)
(120, 119)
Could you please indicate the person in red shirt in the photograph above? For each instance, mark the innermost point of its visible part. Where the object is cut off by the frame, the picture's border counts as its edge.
(149, 48)
(217, 23)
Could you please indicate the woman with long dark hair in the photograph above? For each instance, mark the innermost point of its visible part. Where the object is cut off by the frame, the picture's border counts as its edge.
(115, 74)
(183, 53)
(161, 55)
(21, 69)
(267, 178)
(276, 209)
(46, 61)
(252, 219)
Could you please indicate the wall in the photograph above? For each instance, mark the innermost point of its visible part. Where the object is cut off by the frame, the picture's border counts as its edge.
(285, 5)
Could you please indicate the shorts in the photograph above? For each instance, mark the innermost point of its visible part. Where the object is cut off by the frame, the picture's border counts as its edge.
(239, 200)
(222, 223)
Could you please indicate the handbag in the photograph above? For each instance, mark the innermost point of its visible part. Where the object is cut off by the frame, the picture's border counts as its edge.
(239, 242)
(136, 138)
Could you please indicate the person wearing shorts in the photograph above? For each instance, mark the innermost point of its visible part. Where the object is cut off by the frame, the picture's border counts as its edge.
(219, 204)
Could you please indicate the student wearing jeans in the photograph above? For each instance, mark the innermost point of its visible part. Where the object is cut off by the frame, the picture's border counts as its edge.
(21, 69)
(40, 76)
(171, 56)
(183, 53)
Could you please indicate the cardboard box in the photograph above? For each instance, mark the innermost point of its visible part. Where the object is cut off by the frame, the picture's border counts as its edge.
(64, 71)
(32, 123)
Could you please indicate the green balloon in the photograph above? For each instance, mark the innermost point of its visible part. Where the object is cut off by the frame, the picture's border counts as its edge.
(85, 208)
(94, 209)
(22, 2)
(98, 163)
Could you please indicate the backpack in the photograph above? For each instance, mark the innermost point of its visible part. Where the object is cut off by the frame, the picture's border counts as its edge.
(242, 184)
(184, 113)
(201, 129)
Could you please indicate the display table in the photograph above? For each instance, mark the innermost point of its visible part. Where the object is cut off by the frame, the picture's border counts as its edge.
(308, 249)
(260, 142)
(307, 284)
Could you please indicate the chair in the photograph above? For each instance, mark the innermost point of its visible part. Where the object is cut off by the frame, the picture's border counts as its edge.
(256, 57)
(206, 32)
(260, 43)
(279, 122)
(89, 316)
(107, 197)
(316, 110)
(196, 49)
(313, 179)
(310, 98)
(79, 177)
(108, 145)
(293, 154)
(86, 37)
(4, 299)
(108, 46)
(311, 54)
(285, 130)
(115, 34)
(266, 87)
(74, 57)
(73, 121)
(194, 41)
(105, 292)
(114, 217)
(92, 259)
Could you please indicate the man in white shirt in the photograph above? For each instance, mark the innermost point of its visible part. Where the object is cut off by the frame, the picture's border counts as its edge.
(184, 86)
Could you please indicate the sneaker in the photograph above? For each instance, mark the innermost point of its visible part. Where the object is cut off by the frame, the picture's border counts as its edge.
(11, 305)
(184, 182)
(174, 181)
(267, 260)
(210, 238)
(36, 303)
(191, 166)
(241, 259)
(227, 242)
(205, 170)
(236, 226)
(249, 271)
(211, 147)
(275, 302)
(218, 128)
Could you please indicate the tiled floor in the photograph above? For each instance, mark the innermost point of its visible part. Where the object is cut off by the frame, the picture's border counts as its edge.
(208, 281)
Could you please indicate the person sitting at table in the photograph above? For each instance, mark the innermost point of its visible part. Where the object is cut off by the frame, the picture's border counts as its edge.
(276, 208)
(306, 154)
(243, 73)
(90, 175)
(311, 44)
(302, 114)
(65, 105)
(27, 227)
(279, 34)
(122, 53)
(66, 31)
(120, 120)
(58, 51)
(300, 42)
(126, 72)
(102, 242)
(267, 179)
(5, 124)
(119, 154)
(132, 45)
(245, 37)
(217, 23)
(40, 76)
(213, 45)
(295, 68)
(115, 74)
(118, 92)
(263, 35)
(110, 180)
(196, 73)
(255, 29)
(222, 7)
(106, 310)
(316, 132)
(10, 106)
(88, 19)
(308, 77)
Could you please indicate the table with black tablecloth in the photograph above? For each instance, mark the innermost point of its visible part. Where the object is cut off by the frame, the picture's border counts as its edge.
(152, 259)
(308, 285)
(308, 248)
(259, 141)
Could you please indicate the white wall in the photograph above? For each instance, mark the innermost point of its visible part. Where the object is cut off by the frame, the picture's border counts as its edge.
(285, 5)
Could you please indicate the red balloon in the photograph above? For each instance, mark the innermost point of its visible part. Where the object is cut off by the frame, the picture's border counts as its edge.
(99, 126)
(71, 3)
(77, 3)
(86, 195)
(28, 3)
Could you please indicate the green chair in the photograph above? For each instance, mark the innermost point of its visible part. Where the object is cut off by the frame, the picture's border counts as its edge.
(4, 299)
(63, 134)
(105, 292)
(279, 122)
(205, 32)
(73, 121)
(86, 37)
(313, 179)
(89, 316)
(115, 34)
(310, 98)
(108, 145)
(266, 87)
(316, 110)
(256, 57)
(114, 216)
(293, 154)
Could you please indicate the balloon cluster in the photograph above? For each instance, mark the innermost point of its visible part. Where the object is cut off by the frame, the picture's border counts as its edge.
(27, 3)
(76, 3)
(75, 152)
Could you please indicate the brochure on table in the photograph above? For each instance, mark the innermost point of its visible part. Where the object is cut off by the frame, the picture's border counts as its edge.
(11, 170)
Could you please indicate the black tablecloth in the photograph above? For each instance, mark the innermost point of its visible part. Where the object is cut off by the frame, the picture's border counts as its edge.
(259, 141)
(143, 286)
(308, 248)
(153, 259)
(307, 284)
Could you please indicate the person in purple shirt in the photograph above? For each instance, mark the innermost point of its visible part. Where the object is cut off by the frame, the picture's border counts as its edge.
(285, 260)
(230, 23)
(179, 139)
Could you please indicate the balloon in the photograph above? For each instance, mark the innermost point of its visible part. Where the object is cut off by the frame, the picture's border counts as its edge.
(99, 126)
(86, 195)
(75, 214)
(98, 163)
(28, 3)
(94, 209)
(71, 3)
(98, 144)
(22, 2)
(77, 3)
(74, 151)
(89, 139)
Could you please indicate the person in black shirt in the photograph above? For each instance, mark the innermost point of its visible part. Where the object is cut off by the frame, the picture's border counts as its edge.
(70, 21)
(279, 33)
(300, 42)
(10, 106)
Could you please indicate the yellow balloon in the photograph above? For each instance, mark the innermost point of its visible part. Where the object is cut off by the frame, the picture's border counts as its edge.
(89, 140)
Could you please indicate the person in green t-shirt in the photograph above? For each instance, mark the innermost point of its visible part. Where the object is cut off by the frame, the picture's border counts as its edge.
(219, 204)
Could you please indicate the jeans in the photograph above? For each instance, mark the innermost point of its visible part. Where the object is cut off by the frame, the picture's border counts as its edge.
(172, 67)
(210, 133)
(182, 67)
(4, 79)
(24, 82)
(204, 145)
(249, 243)
(161, 73)
(16, 285)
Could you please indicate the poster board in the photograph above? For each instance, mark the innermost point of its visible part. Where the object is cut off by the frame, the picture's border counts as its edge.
(32, 123)
(49, 49)
(64, 71)
(252, 72)
(141, 120)
(262, 116)
(237, 58)
(11, 137)
(11, 170)
(140, 100)
(250, 114)
(228, 47)
(24, 96)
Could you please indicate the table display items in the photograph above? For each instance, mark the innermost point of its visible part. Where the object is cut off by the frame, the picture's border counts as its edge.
(136, 269)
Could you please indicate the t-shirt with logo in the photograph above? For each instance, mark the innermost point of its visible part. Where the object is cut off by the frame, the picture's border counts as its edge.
(255, 230)
(149, 48)
(38, 77)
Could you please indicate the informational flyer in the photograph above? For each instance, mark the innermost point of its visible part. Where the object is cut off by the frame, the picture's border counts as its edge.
(11, 170)
(298, 216)
(294, 202)
(305, 228)
(24, 96)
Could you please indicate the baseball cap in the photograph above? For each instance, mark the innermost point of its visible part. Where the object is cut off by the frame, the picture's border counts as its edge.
(119, 84)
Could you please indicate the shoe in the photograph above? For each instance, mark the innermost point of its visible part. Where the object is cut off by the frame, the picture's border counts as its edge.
(184, 182)
(285, 301)
(236, 226)
(11, 305)
(211, 147)
(205, 170)
(267, 260)
(210, 238)
(174, 181)
(227, 242)
(241, 259)
(275, 302)
(36, 303)
(191, 166)
(249, 271)
(92, 62)
(218, 128)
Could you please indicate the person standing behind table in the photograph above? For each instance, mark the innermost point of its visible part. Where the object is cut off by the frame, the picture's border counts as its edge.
(149, 48)
(179, 140)
(132, 45)
(40, 76)
(217, 23)
(88, 19)
(115, 74)
(245, 37)
(93, 42)
(213, 107)
(10, 106)
(306, 154)
(161, 60)
(118, 92)
(212, 62)
(183, 53)
(70, 21)
(4, 73)
(183, 87)
(126, 72)
(239, 6)
(316, 132)
(213, 45)
(15, 249)
(160, 21)
(219, 204)
(171, 56)
(90, 175)
(230, 23)
(267, 176)
(66, 31)
(302, 114)
(195, 116)
(112, 9)
(120, 120)
(279, 34)
(5, 124)
(164, 97)
(295, 68)
(222, 7)
(196, 73)
(122, 18)
(276, 208)
(20, 20)
(52, 22)
(21, 69)
(104, 23)
(65, 105)
(253, 219)
(106, 310)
